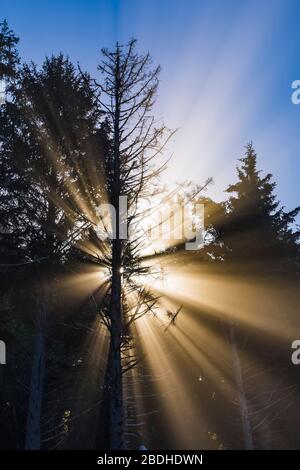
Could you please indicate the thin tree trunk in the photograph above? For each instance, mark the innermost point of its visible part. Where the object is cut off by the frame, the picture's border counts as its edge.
(114, 366)
(36, 391)
(242, 398)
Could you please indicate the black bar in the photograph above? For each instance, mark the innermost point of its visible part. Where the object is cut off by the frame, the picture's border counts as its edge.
(134, 459)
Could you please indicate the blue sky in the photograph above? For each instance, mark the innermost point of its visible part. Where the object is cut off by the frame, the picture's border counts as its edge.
(227, 69)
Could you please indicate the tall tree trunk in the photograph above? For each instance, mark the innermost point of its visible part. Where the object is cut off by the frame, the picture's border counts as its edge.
(242, 398)
(36, 391)
(114, 384)
(114, 367)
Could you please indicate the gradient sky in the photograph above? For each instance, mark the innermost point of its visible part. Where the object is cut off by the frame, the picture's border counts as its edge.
(227, 69)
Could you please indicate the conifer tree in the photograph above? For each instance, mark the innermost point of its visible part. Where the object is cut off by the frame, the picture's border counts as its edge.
(9, 57)
(257, 227)
(126, 95)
